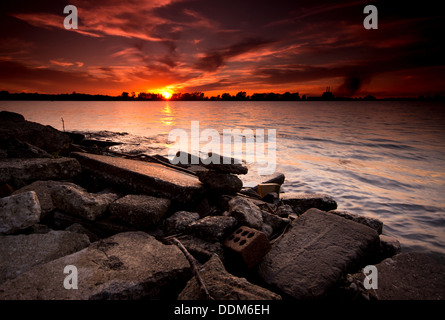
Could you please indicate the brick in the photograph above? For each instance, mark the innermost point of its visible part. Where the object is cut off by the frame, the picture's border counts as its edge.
(248, 245)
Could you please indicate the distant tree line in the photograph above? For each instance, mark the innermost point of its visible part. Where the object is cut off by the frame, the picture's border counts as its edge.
(198, 96)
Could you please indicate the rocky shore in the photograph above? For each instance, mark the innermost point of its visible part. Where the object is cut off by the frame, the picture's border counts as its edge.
(139, 227)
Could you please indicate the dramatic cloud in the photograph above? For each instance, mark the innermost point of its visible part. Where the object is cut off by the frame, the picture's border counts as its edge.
(221, 46)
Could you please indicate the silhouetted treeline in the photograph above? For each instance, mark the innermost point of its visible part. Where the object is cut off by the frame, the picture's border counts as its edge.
(200, 96)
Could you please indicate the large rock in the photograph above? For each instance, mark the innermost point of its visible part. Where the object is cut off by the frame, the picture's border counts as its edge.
(139, 210)
(179, 221)
(10, 147)
(43, 189)
(301, 202)
(20, 172)
(224, 286)
(224, 164)
(143, 177)
(43, 137)
(373, 223)
(76, 201)
(220, 182)
(19, 253)
(315, 253)
(213, 228)
(408, 276)
(130, 265)
(19, 212)
(246, 212)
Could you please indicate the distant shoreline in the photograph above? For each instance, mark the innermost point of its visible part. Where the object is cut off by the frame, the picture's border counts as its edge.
(199, 96)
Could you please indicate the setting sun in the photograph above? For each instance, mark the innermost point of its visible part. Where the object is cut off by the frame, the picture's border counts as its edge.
(167, 95)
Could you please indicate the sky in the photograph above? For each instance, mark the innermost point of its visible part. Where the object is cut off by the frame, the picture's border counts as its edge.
(222, 46)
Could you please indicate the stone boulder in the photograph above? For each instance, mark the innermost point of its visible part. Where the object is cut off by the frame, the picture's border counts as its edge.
(139, 210)
(224, 164)
(246, 212)
(19, 212)
(21, 172)
(10, 147)
(373, 223)
(44, 137)
(179, 221)
(301, 202)
(20, 253)
(388, 247)
(220, 182)
(311, 258)
(43, 189)
(213, 228)
(77, 201)
(224, 286)
(131, 265)
(408, 276)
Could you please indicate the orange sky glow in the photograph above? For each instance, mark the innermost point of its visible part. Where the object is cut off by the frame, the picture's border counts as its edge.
(215, 47)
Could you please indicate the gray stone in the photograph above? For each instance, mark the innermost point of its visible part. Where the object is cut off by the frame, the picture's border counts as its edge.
(78, 228)
(308, 260)
(275, 222)
(103, 227)
(139, 210)
(224, 286)
(373, 223)
(43, 190)
(388, 247)
(44, 137)
(213, 228)
(143, 177)
(409, 276)
(131, 265)
(19, 212)
(285, 211)
(224, 164)
(76, 201)
(301, 202)
(179, 221)
(19, 253)
(220, 182)
(20, 172)
(10, 147)
(246, 212)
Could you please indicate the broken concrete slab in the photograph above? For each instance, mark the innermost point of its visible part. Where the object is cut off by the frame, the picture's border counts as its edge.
(21, 172)
(19, 212)
(224, 286)
(408, 276)
(200, 249)
(19, 253)
(301, 202)
(77, 201)
(141, 211)
(131, 265)
(315, 253)
(143, 177)
(43, 190)
(373, 223)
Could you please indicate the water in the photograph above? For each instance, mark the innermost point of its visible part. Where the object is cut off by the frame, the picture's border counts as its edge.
(380, 159)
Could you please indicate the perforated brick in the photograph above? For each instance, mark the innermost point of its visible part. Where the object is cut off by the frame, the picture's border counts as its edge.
(248, 244)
